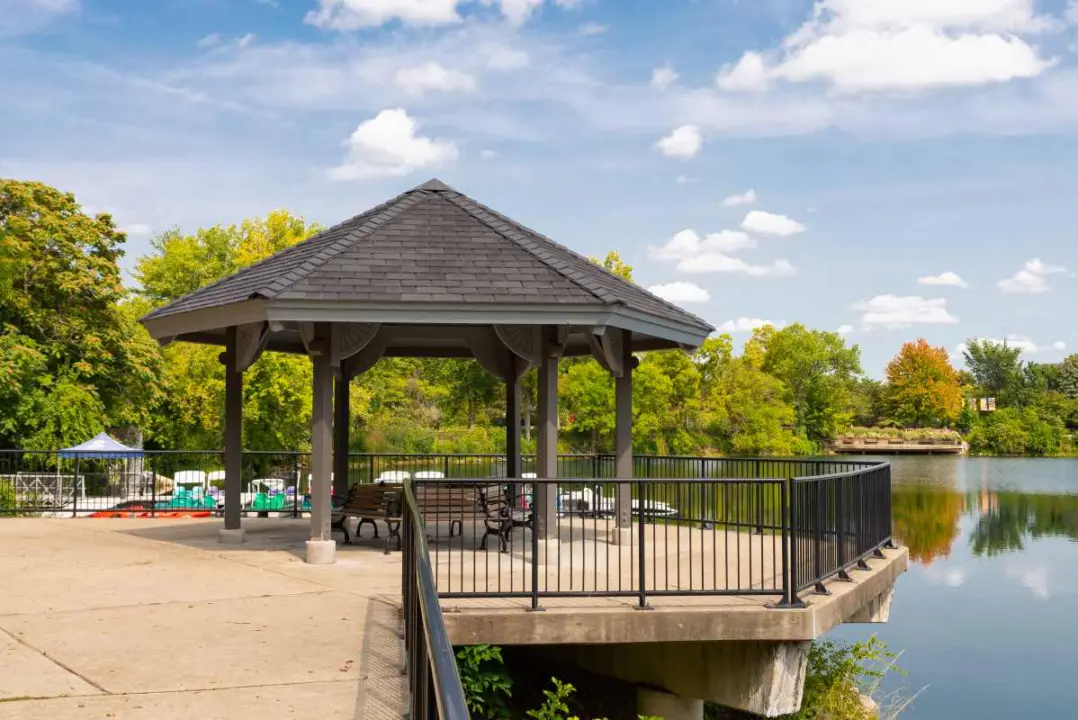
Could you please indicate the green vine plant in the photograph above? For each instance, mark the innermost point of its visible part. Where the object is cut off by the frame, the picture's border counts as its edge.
(486, 681)
(556, 707)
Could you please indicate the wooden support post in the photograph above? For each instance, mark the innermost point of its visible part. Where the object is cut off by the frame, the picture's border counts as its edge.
(341, 418)
(233, 532)
(546, 495)
(512, 425)
(623, 441)
(321, 550)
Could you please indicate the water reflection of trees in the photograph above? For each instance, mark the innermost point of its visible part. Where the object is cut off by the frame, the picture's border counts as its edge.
(926, 520)
(1012, 517)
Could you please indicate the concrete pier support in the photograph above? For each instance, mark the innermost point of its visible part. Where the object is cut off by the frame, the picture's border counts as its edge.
(763, 678)
(656, 703)
(877, 610)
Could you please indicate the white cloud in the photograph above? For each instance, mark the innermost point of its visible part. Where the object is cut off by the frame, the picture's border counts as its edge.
(355, 14)
(680, 292)
(745, 198)
(765, 223)
(721, 263)
(592, 28)
(387, 146)
(1030, 279)
(844, 329)
(664, 76)
(749, 74)
(687, 244)
(19, 16)
(136, 230)
(1072, 12)
(944, 278)
(501, 57)
(210, 40)
(684, 180)
(244, 40)
(894, 311)
(516, 12)
(744, 324)
(488, 154)
(432, 76)
(1022, 342)
(878, 45)
(683, 142)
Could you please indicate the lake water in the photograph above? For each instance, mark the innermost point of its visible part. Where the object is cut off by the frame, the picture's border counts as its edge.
(986, 618)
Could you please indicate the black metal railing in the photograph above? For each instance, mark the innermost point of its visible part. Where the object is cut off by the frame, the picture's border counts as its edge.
(765, 535)
(278, 482)
(434, 685)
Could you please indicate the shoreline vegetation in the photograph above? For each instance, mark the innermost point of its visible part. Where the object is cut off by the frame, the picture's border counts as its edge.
(74, 361)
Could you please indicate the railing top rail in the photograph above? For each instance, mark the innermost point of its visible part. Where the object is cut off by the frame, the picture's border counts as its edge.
(876, 465)
(448, 691)
(594, 481)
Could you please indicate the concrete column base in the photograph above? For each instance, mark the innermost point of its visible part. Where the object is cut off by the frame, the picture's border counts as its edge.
(656, 703)
(321, 552)
(227, 536)
(621, 536)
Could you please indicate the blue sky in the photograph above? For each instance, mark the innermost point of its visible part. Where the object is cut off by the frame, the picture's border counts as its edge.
(893, 168)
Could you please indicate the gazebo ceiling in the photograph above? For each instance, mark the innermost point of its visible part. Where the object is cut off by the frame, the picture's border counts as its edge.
(426, 266)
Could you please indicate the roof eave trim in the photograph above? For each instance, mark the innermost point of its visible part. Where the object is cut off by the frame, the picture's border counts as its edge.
(204, 319)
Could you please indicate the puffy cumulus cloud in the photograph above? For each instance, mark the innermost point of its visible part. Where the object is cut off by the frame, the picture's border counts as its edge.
(1072, 12)
(432, 77)
(356, 14)
(1022, 342)
(681, 292)
(687, 244)
(901, 311)
(21, 16)
(721, 263)
(745, 324)
(1030, 280)
(749, 74)
(746, 198)
(944, 278)
(880, 45)
(711, 254)
(844, 329)
(765, 223)
(684, 142)
(663, 76)
(516, 12)
(592, 28)
(388, 145)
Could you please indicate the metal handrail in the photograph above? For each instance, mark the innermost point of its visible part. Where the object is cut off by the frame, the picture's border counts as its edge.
(432, 664)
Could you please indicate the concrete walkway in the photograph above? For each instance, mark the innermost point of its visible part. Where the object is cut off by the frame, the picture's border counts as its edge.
(153, 620)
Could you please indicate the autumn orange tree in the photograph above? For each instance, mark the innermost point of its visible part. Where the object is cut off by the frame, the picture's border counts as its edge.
(922, 386)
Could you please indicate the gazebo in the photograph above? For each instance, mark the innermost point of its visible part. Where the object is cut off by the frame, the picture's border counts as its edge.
(430, 273)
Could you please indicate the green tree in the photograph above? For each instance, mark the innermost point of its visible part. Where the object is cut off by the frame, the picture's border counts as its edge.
(614, 264)
(817, 369)
(996, 368)
(1067, 380)
(72, 359)
(867, 405)
(922, 386)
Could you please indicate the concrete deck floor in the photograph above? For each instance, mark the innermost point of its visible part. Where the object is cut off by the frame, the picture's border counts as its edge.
(153, 620)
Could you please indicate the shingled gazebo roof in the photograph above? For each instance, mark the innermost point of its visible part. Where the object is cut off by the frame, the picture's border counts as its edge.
(433, 257)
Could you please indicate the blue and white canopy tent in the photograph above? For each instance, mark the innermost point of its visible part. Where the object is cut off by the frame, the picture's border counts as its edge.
(101, 447)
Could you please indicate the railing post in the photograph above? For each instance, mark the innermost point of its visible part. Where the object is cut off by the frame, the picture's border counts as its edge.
(817, 541)
(445, 466)
(789, 589)
(74, 489)
(153, 493)
(370, 468)
(295, 478)
(840, 528)
(535, 549)
(759, 507)
(642, 565)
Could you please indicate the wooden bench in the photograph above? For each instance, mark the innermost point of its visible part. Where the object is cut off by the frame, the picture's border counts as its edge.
(457, 504)
(371, 503)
